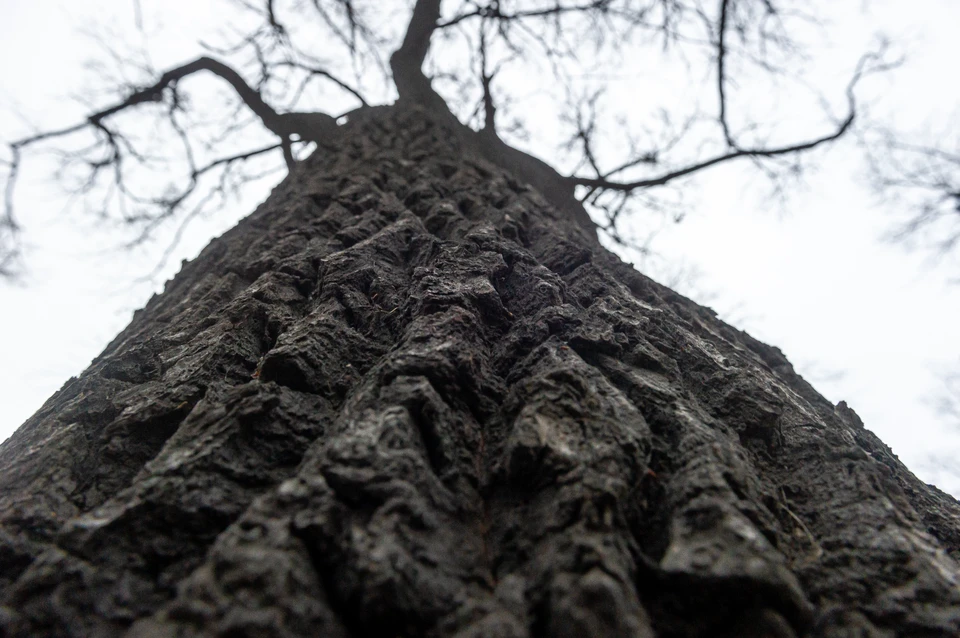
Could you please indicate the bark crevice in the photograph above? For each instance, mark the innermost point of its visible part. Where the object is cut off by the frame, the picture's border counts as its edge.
(412, 394)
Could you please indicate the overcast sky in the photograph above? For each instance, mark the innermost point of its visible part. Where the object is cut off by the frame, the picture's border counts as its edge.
(864, 320)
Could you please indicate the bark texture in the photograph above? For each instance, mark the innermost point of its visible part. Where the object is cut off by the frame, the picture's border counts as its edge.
(410, 396)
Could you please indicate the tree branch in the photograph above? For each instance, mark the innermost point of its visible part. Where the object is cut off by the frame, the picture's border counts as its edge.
(486, 78)
(317, 71)
(307, 126)
(275, 122)
(721, 73)
(407, 61)
(842, 128)
(493, 11)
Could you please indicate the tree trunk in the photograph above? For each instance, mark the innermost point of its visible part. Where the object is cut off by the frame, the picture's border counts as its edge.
(410, 396)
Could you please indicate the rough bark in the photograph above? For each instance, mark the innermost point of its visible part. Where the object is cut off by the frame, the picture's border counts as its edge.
(412, 396)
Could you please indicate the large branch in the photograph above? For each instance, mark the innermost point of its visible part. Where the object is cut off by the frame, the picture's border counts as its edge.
(307, 126)
(660, 180)
(721, 71)
(281, 124)
(407, 61)
(738, 152)
(272, 120)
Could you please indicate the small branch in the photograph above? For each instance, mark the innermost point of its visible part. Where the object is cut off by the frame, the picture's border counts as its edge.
(138, 15)
(272, 19)
(171, 203)
(494, 12)
(9, 221)
(316, 71)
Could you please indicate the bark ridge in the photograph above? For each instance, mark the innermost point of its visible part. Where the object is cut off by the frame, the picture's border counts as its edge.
(410, 396)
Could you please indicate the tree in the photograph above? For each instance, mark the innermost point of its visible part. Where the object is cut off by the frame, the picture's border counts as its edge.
(412, 394)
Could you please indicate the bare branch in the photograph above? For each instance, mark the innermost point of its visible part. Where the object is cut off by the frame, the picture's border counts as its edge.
(314, 71)
(306, 126)
(407, 61)
(486, 78)
(493, 11)
(271, 74)
(759, 152)
(272, 120)
(721, 73)
(923, 181)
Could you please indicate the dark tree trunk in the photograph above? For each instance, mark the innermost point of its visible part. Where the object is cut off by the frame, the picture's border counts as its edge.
(409, 396)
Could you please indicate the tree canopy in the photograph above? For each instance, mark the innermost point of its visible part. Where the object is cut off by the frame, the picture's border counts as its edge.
(150, 151)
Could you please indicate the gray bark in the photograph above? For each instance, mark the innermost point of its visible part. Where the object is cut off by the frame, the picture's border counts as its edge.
(410, 395)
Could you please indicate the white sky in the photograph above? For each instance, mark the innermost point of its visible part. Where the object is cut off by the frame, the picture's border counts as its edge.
(865, 321)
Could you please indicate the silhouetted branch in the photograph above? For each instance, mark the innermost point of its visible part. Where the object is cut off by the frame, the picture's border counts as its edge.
(486, 79)
(407, 61)
(314, 72)
(757, 152)
(116, 147)
(493, 11)
(924, 183)
(721, 72)
(274, 63)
